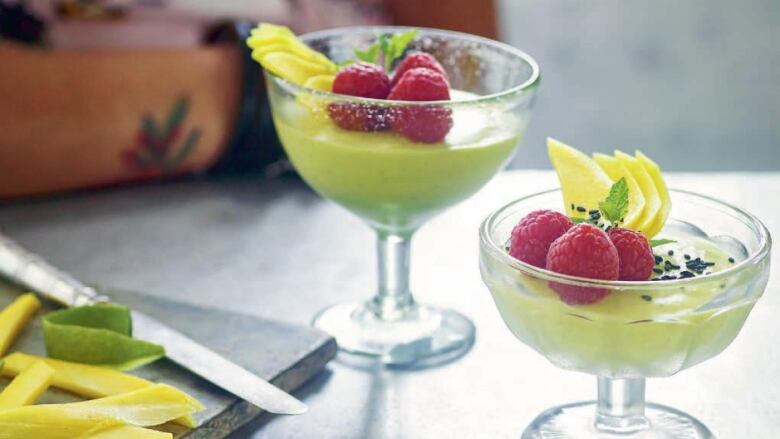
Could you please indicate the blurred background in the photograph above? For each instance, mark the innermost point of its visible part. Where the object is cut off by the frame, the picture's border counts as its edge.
(96, 93)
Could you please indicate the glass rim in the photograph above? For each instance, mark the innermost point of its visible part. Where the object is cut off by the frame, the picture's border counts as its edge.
(497, 250)
(528, 85)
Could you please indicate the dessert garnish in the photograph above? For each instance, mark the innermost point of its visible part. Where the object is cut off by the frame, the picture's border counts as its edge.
(418, 77)
(613, 204)
(585, 182)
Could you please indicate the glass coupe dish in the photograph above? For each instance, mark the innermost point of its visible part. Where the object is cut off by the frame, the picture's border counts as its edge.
(641, 329)
(396, 185)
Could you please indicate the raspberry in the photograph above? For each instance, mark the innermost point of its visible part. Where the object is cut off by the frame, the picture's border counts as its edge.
(636, 256)
(426, 124)
(415, 60)
(363, 80)
(532, 236)
(584, 251)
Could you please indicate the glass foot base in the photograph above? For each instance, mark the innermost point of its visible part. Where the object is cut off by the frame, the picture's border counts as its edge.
(425, 336)
(577, 421)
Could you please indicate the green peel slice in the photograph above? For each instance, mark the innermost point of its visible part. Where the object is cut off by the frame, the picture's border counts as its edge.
(98, 334)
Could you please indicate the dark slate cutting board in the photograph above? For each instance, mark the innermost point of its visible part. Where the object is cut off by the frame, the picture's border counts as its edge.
(287, 355)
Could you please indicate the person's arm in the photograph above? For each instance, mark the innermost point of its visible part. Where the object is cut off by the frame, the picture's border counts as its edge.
(75, 119)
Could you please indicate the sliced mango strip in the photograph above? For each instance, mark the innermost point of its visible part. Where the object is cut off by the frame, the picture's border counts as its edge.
(27, 387)
(279, 51)
(82, 379)
(583, 183)
(153, 405)
(660, 185)
(291, 67)
(636, 200)
(97, 334)
(129, 432)
(652, 201)
(15, 317)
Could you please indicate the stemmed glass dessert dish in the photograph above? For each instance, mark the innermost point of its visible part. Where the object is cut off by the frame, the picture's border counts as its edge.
(397, 158)
(709, 267)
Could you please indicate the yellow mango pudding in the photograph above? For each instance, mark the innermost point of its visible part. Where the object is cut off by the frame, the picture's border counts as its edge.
(395, 125)
(622, 286)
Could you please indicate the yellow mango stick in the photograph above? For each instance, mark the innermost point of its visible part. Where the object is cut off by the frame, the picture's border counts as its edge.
(27, 387)
(15, 317)
(129, 432)
(84, 380)
(153, 405)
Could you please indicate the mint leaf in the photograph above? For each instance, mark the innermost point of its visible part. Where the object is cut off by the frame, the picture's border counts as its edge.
(391, 47)
(397, 46)
(369, 55)
(615, 207)
(657, 242)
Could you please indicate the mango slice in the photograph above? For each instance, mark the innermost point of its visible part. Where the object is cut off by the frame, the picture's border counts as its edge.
(583, 183)
(654, 171)
(291, 67)
(279, 51)
(153, 405)
(129, 432)
(648, 225)
(636, 200)
(84, 380)
(15, 317)
(27, 387)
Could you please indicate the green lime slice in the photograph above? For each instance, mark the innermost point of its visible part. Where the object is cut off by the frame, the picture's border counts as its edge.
(98, 334)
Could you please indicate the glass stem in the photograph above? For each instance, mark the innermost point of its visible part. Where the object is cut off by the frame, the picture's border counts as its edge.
(621, 406)
(393, 300)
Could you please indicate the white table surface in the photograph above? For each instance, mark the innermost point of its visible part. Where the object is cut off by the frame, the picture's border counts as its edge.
(275, 249)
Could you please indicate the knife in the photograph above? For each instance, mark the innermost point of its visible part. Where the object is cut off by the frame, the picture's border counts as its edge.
(31, 271)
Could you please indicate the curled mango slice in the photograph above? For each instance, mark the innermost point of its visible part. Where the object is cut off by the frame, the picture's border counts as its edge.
(15, 317)
(27, 387)
(84, 380)
(153, 405)
(279, 51)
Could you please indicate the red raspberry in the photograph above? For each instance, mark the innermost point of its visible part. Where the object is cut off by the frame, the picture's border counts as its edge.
(426, 124)
(363, 80)
(532, 236)
(417, 59)
(584, 251)
(636, 256)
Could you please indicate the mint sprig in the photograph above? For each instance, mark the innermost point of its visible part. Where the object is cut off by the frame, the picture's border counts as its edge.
(390, 47)
(615, 207)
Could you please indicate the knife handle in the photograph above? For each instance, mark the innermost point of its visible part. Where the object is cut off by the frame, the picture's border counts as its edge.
(29, 270)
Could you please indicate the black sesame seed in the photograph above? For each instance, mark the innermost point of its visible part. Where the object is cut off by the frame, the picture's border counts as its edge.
(572, 206)
(658, 271)
(658, 259)
(581, 209)
(731, 260)
(686, 274)
(647, 298)
(670, 253)
(668, 277)
(687, 257)
(607, 229)
(668, 266)
(708, 273)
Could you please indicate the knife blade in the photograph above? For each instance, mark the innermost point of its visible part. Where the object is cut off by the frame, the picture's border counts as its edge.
(31, 271)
